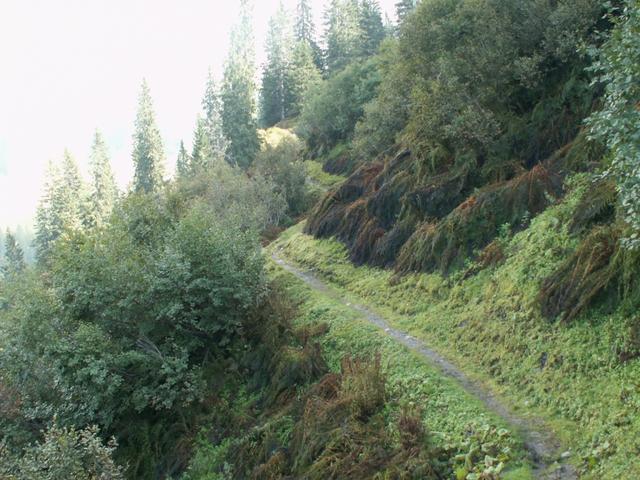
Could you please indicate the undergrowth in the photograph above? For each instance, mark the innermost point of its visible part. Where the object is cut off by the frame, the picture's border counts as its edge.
(378, 412)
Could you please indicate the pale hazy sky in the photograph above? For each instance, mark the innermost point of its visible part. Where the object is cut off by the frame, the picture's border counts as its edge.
(68, 67)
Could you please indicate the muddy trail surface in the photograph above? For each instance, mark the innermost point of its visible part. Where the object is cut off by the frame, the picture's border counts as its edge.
(542, 446)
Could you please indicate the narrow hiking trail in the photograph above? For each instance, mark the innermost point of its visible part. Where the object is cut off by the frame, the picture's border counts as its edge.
(541, 443)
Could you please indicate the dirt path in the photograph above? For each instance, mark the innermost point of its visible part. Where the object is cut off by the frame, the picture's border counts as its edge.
(539, 442)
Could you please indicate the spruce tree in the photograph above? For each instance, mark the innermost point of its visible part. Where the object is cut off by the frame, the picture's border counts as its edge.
(275, 94)
(343, 34)
(148, 152)
(404, 8)
(13, 256)
(305, 30)
(60, 207)
(238, 94)
(303, 75)
(201, 155)
(183, 163)
(104, 192)
(372, 28)
(212, 106)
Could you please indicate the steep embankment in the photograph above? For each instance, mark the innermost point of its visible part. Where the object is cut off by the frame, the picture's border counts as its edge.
(487, 320)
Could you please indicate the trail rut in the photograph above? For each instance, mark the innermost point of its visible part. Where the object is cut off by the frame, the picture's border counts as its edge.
(541, 444)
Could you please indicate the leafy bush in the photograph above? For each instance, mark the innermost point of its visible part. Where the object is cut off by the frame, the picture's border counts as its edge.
(65, 453)
(124, 330)
(616, 125)
(333, 107)
(281, 163)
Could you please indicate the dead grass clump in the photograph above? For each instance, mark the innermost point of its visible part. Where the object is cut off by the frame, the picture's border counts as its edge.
(274, 469)
(295, 366)
(377, 209)
(445, 246)
(599, 264)
(596, 206)
(328, 216)
(364, 384)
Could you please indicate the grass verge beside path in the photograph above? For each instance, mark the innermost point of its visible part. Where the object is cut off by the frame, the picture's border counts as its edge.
(488, 325)
(449, 412)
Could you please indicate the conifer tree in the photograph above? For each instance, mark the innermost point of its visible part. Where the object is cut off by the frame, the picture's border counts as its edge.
(275, 93)
(305, 30)
(60, 207)
(183, 163)
(372, 28)
(104, 191)
(13, 256)
(212, 106)
(342, 34)
(148, 152)
(303, 75)
(404, 8)
(201, 155)
(238, 94)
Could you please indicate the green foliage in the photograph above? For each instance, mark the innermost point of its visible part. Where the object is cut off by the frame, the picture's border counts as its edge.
(60, 207)
(183, 162)
(131, 316)
(238, 94)
(472, 95)
(371, 27)
(333, 107)
(254, 203)
(579, 376)
(281, 163)
(212, 106)
(202, 153)
(303, 75)
(342, 34)
(14, 263)
(148, 152)
(386, 115)
(305, 31)
(103, 192)
(275, 94)
(617, 64)
(404, 8)
(64, 453)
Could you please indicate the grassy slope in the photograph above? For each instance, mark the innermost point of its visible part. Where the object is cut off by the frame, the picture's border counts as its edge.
(320, 178)
(448, 410)
(490, 326)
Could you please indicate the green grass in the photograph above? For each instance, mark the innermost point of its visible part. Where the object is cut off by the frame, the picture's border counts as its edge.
(448, 410)
(490, 326)
(320, 178)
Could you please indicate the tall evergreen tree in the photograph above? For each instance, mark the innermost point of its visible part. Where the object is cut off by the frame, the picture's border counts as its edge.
(305, 30)
(238, 94)
(13, 256)
(303, 75)
(201, 155)
(183, 163)
(212, 106)
(148, 152)
(404, 8)
(342, 34)
(275, 92)
(371, 27)
(60, 207)
(104, 192)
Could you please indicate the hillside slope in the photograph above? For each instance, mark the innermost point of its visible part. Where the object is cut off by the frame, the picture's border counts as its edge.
(491, 326)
